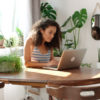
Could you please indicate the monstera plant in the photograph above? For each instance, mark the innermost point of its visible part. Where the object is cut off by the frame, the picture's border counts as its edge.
(77, 20)
(47, 11)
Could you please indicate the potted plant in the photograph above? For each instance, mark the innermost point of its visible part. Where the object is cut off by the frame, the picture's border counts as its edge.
(98, 63)
(77, 20)
(1, 40)
(10, 63)
(11, 42)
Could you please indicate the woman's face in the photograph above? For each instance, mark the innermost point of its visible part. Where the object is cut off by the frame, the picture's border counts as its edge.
(49, 33)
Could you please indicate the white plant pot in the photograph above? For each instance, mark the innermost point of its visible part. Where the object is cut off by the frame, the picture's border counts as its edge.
(98, 64)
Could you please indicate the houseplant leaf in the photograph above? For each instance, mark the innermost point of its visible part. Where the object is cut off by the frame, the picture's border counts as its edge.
(19, 32)
(47, 11)
(66, 22)
(70, 30)
(43, 5)
(79, 18)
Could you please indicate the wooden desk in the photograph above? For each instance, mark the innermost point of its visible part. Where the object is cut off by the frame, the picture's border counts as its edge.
(40, 77)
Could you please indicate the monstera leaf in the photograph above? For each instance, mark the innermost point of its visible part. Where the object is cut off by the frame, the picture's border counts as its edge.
(66, 22)
(79, 18)
(47, 11)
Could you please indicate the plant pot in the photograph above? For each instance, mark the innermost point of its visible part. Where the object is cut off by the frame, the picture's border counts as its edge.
(7, 67)
(1, 43)
(98, 64)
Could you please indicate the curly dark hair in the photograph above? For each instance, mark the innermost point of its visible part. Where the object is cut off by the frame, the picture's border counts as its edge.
(37, 36)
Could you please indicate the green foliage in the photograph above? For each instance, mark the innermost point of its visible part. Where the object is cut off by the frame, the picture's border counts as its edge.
(10, 63)
(20, 36)
(11, 42)
(86, 65)
(93, 20)
(99, 55)
(57, 52)
(19, 32)
(66, 22)
(77, 20)
(68, 43)
(47, 11)
(1, 37)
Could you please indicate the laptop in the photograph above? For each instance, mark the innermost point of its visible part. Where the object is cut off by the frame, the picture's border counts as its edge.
(70, 59)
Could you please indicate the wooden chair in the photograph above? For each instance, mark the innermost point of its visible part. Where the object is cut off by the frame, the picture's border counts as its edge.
(61, 92)
(1, 84)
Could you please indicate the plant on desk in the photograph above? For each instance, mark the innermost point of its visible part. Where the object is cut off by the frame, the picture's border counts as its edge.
(10, 63)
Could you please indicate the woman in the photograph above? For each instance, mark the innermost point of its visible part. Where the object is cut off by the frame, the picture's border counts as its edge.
(38, 51)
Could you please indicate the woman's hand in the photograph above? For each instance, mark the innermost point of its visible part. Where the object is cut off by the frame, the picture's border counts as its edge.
(52, 63)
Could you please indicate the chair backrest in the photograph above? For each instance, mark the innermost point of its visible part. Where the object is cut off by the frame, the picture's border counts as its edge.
(1, 84)
(88, 92)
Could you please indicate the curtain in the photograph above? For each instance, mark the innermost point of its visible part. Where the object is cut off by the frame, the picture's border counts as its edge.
(18, 13)
(27, 12)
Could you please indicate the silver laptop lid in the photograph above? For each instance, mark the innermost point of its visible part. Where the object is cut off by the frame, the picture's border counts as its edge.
(71, 59)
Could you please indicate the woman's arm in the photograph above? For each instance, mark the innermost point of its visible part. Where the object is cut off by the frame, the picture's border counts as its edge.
(52, 56)
(27, 55)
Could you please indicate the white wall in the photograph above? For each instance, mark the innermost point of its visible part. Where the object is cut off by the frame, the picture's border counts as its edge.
(1, 94)
(64, 9)
(13, 92)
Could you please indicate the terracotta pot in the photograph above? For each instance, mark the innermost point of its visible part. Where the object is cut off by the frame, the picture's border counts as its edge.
(1, 42)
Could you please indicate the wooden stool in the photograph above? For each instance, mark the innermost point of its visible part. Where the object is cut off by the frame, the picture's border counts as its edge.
(62, 92)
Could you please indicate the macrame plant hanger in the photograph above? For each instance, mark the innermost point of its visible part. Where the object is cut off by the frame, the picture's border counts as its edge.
(96, 6)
